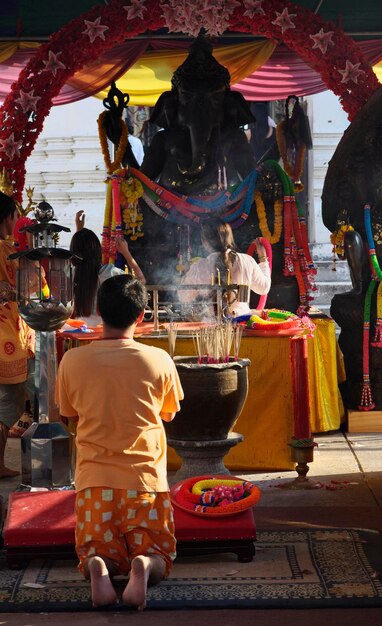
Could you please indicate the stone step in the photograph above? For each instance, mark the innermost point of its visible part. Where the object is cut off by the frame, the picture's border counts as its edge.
(325, 271)
(327, 289)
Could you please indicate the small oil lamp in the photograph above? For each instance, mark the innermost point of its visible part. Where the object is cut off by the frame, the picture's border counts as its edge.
(44, 297)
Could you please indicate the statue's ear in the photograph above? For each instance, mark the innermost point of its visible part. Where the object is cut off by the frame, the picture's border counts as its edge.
(236, 109)
(165, 110)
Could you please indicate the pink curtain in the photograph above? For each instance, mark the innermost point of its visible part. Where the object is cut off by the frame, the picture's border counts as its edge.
(283, 74)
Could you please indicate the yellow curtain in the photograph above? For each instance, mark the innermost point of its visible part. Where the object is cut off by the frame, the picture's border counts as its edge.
(378, 70)
(147, 79)
(8, 49)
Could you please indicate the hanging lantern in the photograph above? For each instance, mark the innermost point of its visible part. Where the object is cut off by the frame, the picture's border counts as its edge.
(44, 297)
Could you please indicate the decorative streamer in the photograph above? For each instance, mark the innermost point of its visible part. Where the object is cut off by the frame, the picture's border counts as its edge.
(367, 403)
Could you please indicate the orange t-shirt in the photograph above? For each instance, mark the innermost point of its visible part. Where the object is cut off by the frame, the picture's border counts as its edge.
(16, 338)
(119, 388)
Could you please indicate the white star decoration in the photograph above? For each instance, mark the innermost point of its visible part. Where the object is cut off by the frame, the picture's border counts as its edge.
(284, 20)
(10, 146)
(53, 64)
(95, 29)
(323, 40)
(351, 72)
(253, 7)
(28, 101)
(135, 9)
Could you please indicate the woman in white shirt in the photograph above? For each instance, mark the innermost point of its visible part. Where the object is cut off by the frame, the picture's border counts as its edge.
(231, 266)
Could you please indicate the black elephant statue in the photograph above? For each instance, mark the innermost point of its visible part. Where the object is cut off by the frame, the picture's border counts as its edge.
(354, 179)
(200, 149)
(202, 144)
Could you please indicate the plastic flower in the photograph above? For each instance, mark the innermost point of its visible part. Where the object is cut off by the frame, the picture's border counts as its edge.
(53, 64)
(253, 7)
(27, 100)
(323, 40)
(284, 20)
(351, 72)
(10, 146)
(95, 29)
(135, 9)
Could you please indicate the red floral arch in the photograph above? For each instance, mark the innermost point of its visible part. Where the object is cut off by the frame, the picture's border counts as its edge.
(336, 57)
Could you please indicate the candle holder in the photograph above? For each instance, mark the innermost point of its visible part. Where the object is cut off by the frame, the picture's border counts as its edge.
(44, 297)
(302, 444)
(302, 456)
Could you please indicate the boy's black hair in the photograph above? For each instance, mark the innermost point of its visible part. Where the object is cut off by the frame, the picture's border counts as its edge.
(7, 206)
(120, 300)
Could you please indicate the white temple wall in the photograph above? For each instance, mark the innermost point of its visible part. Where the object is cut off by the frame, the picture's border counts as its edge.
(66, 167)
(328, 121)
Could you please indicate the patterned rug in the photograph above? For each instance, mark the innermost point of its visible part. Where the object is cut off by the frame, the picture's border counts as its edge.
(291, 569)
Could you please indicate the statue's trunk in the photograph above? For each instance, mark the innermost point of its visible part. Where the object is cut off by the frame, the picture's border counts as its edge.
(199, 135)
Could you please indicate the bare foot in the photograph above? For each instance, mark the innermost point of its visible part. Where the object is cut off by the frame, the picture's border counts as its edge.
(5, 472)
(102, 588)
(136, 589)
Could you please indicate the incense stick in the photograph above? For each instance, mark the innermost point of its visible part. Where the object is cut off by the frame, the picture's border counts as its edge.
(172, 330)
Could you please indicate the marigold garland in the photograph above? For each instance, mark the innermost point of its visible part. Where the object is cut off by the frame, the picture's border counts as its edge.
(263, 223)
(112, 165)
(337, 240)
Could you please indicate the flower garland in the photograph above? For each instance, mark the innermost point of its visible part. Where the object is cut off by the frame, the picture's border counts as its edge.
(337, 239)
(215, 497)
(123, 141)
(297, 258)
(122, 194)
(335, 56)
(366, 403)
(263, 223)
(377, 272)
(377, 342)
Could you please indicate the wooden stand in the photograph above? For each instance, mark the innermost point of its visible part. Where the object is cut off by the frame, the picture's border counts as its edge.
(364, 421)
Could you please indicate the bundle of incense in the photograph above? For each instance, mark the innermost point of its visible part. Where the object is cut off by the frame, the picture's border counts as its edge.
(172, 330)
(228, 334)
(202, 345)
(238, 331)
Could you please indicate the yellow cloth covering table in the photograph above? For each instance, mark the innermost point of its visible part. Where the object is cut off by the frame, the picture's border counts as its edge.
(266, 421)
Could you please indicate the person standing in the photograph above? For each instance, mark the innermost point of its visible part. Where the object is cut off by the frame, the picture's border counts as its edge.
(16, 338)
(119, 391)
(226, 262)
(90, 272)
(136, 145)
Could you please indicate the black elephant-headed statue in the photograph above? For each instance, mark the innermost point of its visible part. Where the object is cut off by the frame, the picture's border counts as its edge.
(354, 180)
(199, 151)
(202, 144)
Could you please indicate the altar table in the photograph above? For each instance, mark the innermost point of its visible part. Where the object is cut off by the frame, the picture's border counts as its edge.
(266, 420)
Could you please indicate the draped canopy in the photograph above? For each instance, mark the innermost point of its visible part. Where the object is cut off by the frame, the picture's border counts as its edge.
(260, 70)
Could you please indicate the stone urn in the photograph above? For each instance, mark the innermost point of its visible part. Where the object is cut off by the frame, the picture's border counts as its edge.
(214, 395)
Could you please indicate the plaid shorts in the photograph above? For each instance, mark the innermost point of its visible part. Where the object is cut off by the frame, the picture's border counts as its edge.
(120, 524)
